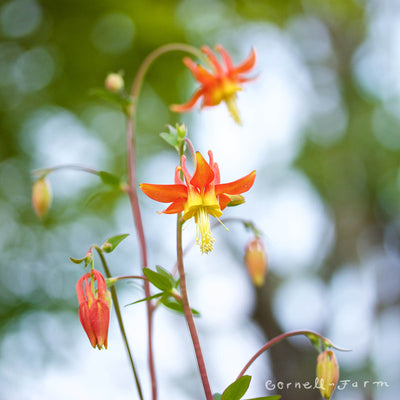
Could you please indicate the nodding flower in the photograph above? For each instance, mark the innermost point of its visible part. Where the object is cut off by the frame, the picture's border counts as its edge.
(220, 84)
(327, 373)
(200, 196)
(94, 308)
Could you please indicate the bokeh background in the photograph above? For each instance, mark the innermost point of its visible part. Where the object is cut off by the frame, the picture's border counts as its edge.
(321, 126)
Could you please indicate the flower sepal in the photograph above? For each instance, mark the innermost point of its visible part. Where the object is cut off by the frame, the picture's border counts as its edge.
(236, 200)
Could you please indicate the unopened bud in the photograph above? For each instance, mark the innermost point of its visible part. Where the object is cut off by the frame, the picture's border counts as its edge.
(256, 261)
(327, 373)
(114, 82)
(236, 200)
(181, 131)
(41, 197)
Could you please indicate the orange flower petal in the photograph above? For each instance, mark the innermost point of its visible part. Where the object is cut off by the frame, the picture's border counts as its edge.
(101, 284)
(236, 187)
(79, 288)
(177, 177)
(176, 207)
(84, 317)
(198, 71)
(214, 60)
(189, 104)
(99, 315)
(164, 193)
(223, 200)
(203, 174)
(226, 57)
(247, 64)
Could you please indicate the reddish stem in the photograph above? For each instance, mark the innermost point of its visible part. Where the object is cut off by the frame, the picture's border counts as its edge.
(133, 197)
(132, 190)
(189, 315)
(276, 340)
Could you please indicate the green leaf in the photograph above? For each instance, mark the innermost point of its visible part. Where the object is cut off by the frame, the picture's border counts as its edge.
(165, 273)
(170, 139)
(109, 179)
(174, 305)
(158, 280)
(111, 243)
(77, 261)
(315, 341)
(87, 259)
(237, 389)
(175, 135)
(217, 396)
(155, 296)
(276, 397)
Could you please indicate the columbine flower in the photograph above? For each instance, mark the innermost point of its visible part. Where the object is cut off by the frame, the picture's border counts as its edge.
(218, 85)
(94, 310)
(200, 196)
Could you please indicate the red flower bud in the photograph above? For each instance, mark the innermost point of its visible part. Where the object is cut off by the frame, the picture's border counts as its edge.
(327, 373)
(94, 310)
(256, 261)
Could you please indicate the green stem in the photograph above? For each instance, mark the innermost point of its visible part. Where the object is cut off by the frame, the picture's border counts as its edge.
(281, 337)
(120, 321)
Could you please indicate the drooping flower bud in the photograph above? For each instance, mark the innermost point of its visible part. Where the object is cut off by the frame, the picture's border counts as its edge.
(114, 82)
(256, 261)
(94, 309)
(41, 197)
(327, 373)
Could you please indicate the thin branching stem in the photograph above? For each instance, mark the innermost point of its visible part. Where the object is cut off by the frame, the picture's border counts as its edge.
(132, 189)
(283, 336)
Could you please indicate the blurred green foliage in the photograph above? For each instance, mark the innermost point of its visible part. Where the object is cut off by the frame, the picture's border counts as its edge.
(357, 174)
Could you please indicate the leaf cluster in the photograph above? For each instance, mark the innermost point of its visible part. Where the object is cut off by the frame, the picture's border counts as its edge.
(169, 295)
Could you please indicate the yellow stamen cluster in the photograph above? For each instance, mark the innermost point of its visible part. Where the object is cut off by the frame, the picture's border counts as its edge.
(203, 230)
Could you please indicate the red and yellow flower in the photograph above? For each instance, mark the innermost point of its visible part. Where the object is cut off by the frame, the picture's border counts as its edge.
(200, 196)
(220, 84)
(94, 310)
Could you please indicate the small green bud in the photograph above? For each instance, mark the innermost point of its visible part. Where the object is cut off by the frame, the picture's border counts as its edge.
(327, 373)
(181, 131)
(114, 82)
(236, 200)
(41, 197)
